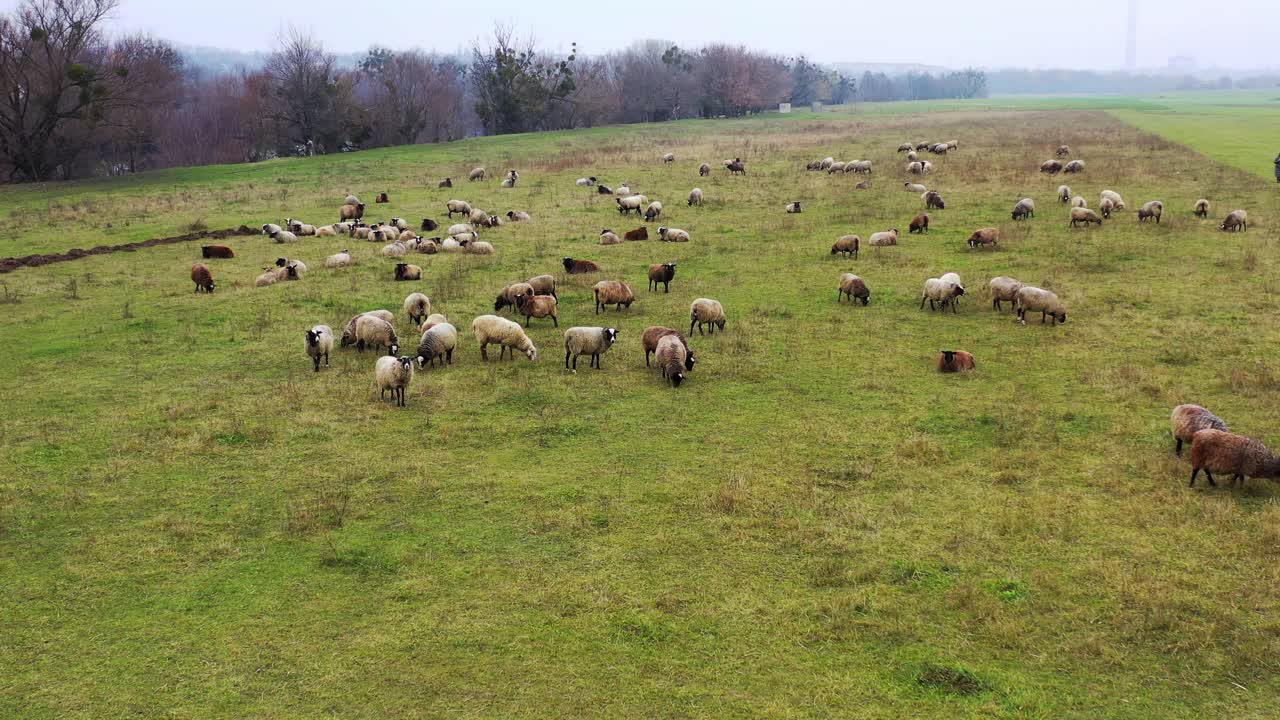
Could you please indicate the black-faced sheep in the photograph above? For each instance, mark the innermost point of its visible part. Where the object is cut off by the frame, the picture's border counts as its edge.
(593, 341)
(1084, 216)
(853, 286)
(1151, 210)
(1201, 209)
(941, 293)
(1025, 208)
(438, 341)
(1052, 167)
(848, 245)
(951, 361)
(649, 340)
(1237, 220)
(671, 357)
(1034, 299)
(319, 343)
(405, 271)
(919, 224)
(793, 207)
(579, 267)
(984, 236)
(394, 374)
(663, 274)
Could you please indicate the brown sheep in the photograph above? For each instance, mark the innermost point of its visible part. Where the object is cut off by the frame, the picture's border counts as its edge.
(933, 201)
(537, 306)
(650, 342)
(579, 267)
(955, 361)
(663, 273)
(847, 244)
(201, 276)
(1085, 216)
(405, 271)
(919, 224)
(640, 233)
(216, 251)
(510, 295)
(382, 198)
(855, 287)
(1187, 420)
(351, 212)
(445, 183)
(985, 236)
(1224, 452)
(1052, 167)
(1236, 220)
(612, 292)
(1063, 150)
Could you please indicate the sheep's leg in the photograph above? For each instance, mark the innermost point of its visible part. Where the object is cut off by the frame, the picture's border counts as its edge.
(1210, 476)
(647, 353)
(1178, 450)
(326, 359)
(555, 320)
(449, 357)
(1239, 477)
(317, 362)
(566, 359)
(922, 299)
(1194, 473)
(484, 354)
(666, 287)
(954, 304)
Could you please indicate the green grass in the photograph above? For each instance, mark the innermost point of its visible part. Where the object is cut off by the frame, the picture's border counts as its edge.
(817, 524)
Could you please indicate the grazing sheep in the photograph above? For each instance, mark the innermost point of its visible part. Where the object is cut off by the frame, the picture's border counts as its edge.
(511, 294)
(1074, 166)
(394, 374)
(518, 216)
(913, 156)
(793, 207)
(1052, 167)
(1034, 299)
(836, 167)
(915, 168)
(1064, 194)
(666, 234)
(374, 332)
(284, 236)
(417, 306)
(543, 285)
(1236, 220)
(476, 216)
(201, 276)
(705, 311)
(349, 331)
(669, 158)
(695, 197)
(737, 167)
(1114, 197)
(663, 273)
(477, 247)
(941, 293)
(1084, 215)
(1201, 209)
(268, 277)
(338, 259)
(1063, 151)
(538, 306)
(593, 341)
(934, 201)
(461, 207)
(319, 342)
(445, 183)
(603, 190)
(848, 245)
(1223, 452)
(613, 292)
(813, 165)
(854, 287)
(438, 341)
(217, 252)
(655, 333)
(579, 267)
(476, 174)
(905, 147)
(351, 212)
(432, 320)
(1107, 206)
(1025, 208)
(861, 167)
(631, 203)
(1153, 209)
(640, 233)
(429, 225)
(671, 358)
(493, 330)
(585, 182)
(608, 237)
(884, 239)
(919, 224)
(914, 187)
(1079, 202)
(704, 170)
(1004, 289)
(826, 163)
(1187, 420)
(405, 271)
(951, 361)
(652, 212)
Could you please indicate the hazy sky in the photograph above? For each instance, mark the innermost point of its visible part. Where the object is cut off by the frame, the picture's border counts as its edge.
(988, 33)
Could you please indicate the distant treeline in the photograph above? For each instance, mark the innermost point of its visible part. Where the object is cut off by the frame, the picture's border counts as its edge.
(1048, 82)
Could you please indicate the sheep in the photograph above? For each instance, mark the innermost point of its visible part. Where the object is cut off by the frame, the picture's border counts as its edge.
(284, 236)
(637, 235)
(836, 167)
(394, 374)
(939, 148)
(905, 147)
(603, 190)
(1075, 166)
(462, 207)
(445, 183)
(613, 292)
(361, 232)
(382, 198)
(951, 361)
(942, 292)
(662, 273)
(933, 201)
(510, 294)
(666, 234)
(417, 306)
(300, 229)
(862, 167)
(884, 239)
(333, 230)
(704, 170)
(1153, 209)
(655, 333)
(864, 185)
(913, 156)
(585, 182)
(290, 269)
(450, 245)
(1236, 220)
(705, 311)
(1079, 202)
(608, 237)
(1187, 420)
(374, 332)
(493, 330)
(1034, 299)
(319, 342)
(914, 187)
(1025, 208)
(629, 204)
(652, 212)
(1107, 206)
(395, 249)
(1224, 452)
(543, 285)
(1201, 209)
(432, 320)
(201, 276)
(429, 225)
(736, 167)
(695, 197)
(512, 175)
(351, 212)
(922, 146)
(624, 190)
(1084, 215)
(1064, 194)
(593, 341)
(579, 267)
(793, 208)
(217, 251)
(476, 216)
(1063, 151)
(507, 182)
(915, 168)
(348, 336)
(405, 271)
(338, 259)
(1004, 289)
(438, 341)
(669, 158)
(477, 247)
(984, 236)
(672, 358)
(1115, 198)
(270, 229)
(813, 165)
(476, 174)
(351, 200)
(1052, 167)
(458, 229)
(826, 163)
(854, 287)
(518, 216)
(268, 277)
(538, 306)
(848, 245)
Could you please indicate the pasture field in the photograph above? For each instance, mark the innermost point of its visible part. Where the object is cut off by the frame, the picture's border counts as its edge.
(816, 524)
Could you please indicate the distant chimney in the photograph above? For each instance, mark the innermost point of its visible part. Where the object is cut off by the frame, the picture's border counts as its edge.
(1131, 42)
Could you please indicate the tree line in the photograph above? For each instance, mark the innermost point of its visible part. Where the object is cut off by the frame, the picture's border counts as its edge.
(77, 103)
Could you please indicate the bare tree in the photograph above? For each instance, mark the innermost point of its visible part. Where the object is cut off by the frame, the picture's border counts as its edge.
(307, 97)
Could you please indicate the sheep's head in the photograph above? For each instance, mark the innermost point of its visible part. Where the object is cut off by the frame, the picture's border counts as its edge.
(568, 263)
(405, 361)
(531, 353)
(677, 379)
(610, 336)
(313, 337)
(1060, 317)
(689, 360)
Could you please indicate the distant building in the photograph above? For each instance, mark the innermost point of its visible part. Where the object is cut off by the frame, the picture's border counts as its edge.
(784, 108)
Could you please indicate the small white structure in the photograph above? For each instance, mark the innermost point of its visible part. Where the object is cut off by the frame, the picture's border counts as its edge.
(784, 108)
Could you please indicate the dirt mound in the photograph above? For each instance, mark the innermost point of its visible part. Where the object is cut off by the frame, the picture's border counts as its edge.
(13, 263)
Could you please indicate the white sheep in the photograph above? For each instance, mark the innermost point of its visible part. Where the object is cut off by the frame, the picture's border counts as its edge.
(705, 311)
(338, 259)
(1034, 299)
(458, 229)
(493, 330)
(667, 234)
(652, 212)
(593, 341)
(585, 182)
(1115, 198)
(417, 306)
(349, 331)
(939, 292)
(914, 187)
(884, 239)
(284, 236)
(270, 229)
(1079, 202)
(477, 247)
(1004, 289)
(609, 237)
(319, 343)
(461, 207)
(438, 341)
(373, 331)
(476, 174)
(695, 197)
(1064, 193)
(395, 249)
(394, 374)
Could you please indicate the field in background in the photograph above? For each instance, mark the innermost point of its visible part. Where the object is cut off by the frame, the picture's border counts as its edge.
(194, 524)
